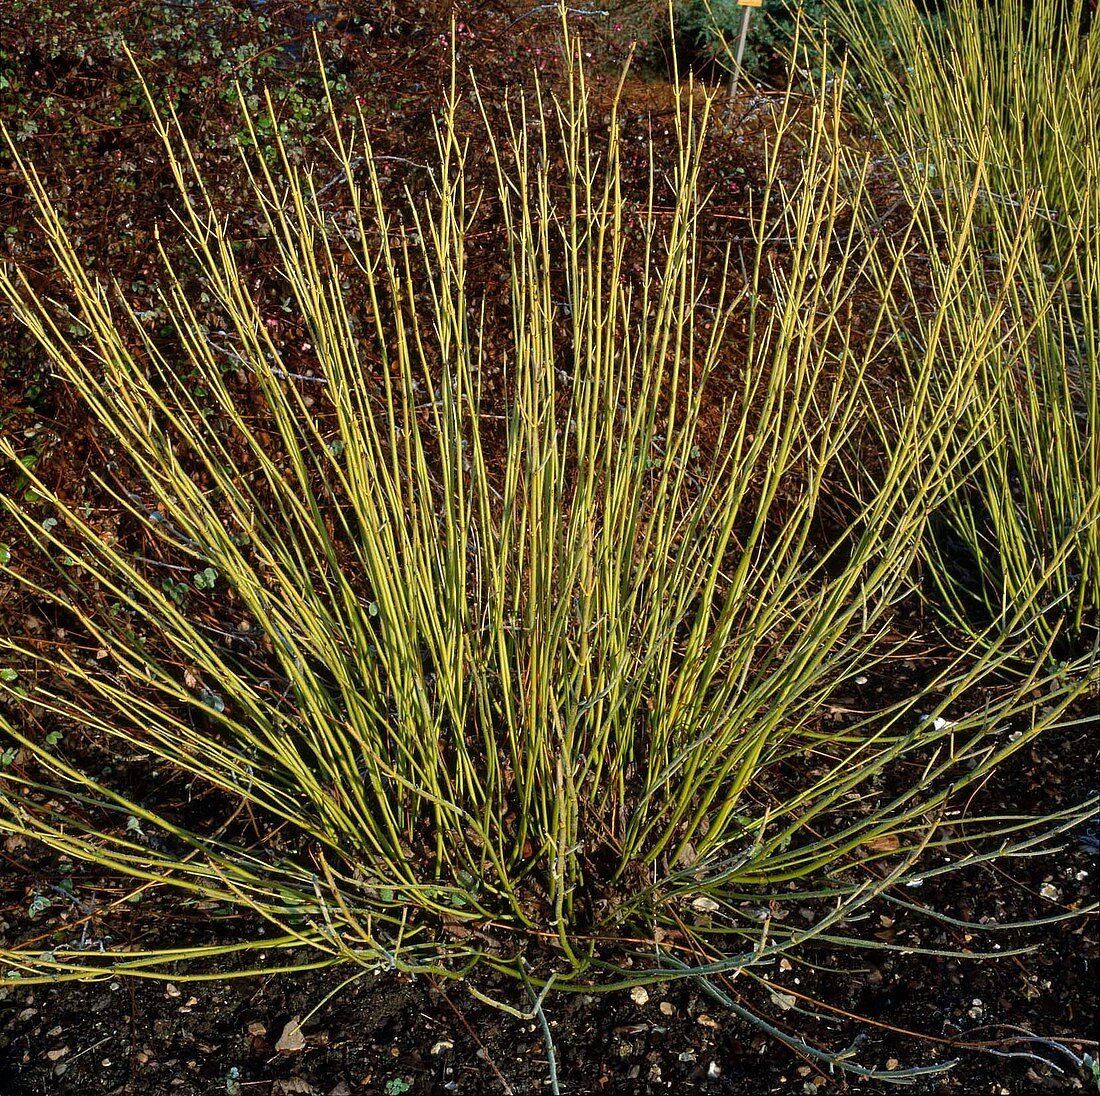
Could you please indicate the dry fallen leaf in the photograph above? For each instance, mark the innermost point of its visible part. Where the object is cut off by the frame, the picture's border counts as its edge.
(887, 842)
(784, 1000)
(292, 1039)
(293, 1086)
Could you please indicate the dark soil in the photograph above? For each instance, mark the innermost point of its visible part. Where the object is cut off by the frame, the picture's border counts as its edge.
(1014, 1023)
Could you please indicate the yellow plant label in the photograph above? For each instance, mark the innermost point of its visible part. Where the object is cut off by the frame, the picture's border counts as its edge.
(750, 3)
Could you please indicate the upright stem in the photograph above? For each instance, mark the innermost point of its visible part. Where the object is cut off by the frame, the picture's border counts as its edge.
(746, 12)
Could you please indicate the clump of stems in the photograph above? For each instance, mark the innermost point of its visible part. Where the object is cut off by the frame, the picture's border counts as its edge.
(996, 107)
(555, 669)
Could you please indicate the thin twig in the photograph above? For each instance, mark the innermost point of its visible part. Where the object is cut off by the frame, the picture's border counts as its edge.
(486, 1057)
(556, 7)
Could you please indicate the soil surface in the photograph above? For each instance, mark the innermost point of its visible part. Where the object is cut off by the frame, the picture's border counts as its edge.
(1018, 1023)
(1013, 1024)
